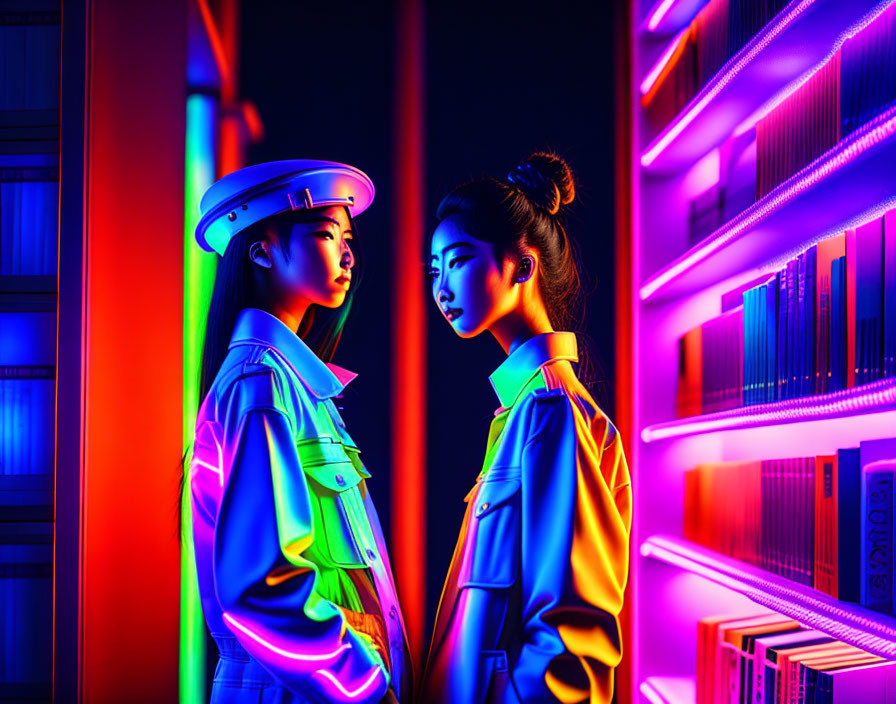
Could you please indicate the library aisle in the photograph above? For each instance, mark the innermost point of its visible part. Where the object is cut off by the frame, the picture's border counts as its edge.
(763, 328)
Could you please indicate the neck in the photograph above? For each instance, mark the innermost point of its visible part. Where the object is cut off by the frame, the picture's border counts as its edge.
(514, 329)
(290, 316)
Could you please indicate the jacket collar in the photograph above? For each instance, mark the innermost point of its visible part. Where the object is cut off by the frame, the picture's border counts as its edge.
(526, 361)
(255, 326)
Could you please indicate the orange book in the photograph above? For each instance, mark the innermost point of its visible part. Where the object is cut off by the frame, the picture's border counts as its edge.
(826, 553)
(727, 654)
(690, 373)
(789, 661)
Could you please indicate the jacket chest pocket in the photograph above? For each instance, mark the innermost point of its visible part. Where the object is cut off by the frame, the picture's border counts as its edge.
(492, 553)
(341, 533)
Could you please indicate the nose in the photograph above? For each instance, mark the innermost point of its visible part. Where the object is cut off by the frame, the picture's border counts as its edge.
(445, 296)
(348, 258)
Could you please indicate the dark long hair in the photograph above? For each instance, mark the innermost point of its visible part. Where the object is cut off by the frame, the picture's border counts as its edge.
(239, 285)
(529, 209)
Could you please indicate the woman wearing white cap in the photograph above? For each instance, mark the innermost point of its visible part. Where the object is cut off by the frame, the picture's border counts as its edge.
(294, 577)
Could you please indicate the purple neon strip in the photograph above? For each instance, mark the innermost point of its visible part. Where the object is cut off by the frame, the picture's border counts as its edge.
(651, 695)
(350, 693)
(875, 397)
(848, 150)
(850, 623)
(669, 690)
(660, 64)
(309, 657)
(658, 13)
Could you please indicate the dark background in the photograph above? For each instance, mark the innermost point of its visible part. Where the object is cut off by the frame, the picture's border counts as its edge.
(502, 79)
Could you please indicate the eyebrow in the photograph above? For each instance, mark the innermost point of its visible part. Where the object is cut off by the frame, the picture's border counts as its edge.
(453, 245)
(327, 219)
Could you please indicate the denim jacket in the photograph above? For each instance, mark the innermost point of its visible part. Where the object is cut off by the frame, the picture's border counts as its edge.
(289, 551)
(529, 611)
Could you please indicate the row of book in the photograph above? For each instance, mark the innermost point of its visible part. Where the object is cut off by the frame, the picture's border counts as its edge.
(29, 59)
(853, 87)
(28, 223)
(825, 521)
(718, 32)
(824, 323)
(771, 659)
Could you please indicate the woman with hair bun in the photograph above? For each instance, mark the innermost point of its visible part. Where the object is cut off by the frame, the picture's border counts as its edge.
(529, 610)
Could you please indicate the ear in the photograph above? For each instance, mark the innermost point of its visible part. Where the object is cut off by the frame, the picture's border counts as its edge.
(258, 253)
(525, 269)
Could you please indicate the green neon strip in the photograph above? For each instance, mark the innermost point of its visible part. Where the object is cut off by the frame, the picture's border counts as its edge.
(199, 277)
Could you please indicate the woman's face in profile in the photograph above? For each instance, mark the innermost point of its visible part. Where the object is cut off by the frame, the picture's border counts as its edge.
(468, 286)
(318, 268)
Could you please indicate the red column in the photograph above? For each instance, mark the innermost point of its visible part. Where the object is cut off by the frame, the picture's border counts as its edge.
(133, 306)
(409, 324)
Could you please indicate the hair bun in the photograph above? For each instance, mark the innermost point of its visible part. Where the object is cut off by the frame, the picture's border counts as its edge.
(545, 179)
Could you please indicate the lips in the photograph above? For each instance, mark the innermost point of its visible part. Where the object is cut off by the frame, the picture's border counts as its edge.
(452, 313)
(343, 279)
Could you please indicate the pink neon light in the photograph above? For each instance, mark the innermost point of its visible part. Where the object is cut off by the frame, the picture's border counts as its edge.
(280, 651)
(881, 128)
(850, 623)
(659, 13)
(651, 695)
(216, 470)
(660, 64)
(875, 397)
(710, 92)
(355, 692)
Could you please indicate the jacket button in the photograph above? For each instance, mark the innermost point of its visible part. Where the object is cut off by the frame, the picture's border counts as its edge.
(393, 612)
(482, 509)
(340, 480)
(371, 554)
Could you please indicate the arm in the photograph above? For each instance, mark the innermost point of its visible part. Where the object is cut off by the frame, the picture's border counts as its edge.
(575, 534)
(264, 585)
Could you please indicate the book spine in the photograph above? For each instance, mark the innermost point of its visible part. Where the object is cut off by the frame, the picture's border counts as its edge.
(848, 530)
(811, 312)
(876, 568)
(771, 340)
(850, 315)
(781, 336)
(889, 286)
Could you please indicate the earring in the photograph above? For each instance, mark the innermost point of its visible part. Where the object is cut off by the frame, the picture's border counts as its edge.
(524, 271)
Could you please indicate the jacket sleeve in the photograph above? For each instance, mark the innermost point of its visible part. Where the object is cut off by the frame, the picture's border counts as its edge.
(575, 543)
(266, 588)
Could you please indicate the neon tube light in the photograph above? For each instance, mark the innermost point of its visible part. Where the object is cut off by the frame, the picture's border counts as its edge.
(659, 12)
(651, 695)
(661, 63)
(850, 623)
(848, 150)
(875, 397)
(350, 693)
(320, 657)
(777, 26)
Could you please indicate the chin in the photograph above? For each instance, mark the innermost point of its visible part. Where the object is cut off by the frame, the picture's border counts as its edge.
(334, 301)
(465, 332)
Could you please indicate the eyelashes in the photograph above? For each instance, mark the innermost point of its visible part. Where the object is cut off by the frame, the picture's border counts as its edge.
(432, 273)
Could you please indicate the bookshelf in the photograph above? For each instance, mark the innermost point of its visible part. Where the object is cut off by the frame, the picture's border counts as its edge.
(847, 622)
(676, 283)
(843, 187)
(878, 397)
(771, 66)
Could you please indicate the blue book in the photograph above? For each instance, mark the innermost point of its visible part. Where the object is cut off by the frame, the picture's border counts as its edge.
(889, 277)
(848, 543)
(771, 340)
(876, 568)
(837, 354)
(809, 321)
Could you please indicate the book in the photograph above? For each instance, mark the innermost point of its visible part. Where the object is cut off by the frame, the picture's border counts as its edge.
(862, 684)
(850, 316)
(771, 340)
(826, 252)
(889, 287)
(837, 355)
(849, 475)
(825, 571)
(876, 568)
(869, 301)
(690, 363)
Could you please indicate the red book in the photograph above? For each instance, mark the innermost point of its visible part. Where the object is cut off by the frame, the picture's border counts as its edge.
(825, 578)
(850, 308)
(690, 378)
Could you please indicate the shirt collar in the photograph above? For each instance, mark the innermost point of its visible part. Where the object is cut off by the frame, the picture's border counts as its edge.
(526, 361)
(254, 326)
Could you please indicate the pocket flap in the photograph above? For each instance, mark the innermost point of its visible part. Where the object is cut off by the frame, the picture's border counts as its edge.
(327, 463)
(493, 493)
